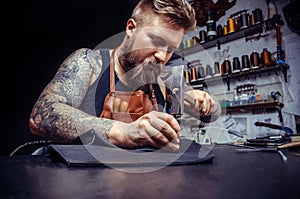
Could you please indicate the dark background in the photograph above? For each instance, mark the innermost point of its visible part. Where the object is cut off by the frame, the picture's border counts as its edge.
(37, 36)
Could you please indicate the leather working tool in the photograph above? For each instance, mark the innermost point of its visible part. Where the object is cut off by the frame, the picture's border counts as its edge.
(288, 130)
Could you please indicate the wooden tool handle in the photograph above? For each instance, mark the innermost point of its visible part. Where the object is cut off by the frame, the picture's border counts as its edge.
(290, 145)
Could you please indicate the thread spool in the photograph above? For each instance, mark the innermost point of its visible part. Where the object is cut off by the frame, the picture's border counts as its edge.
(193, 74)
(226, 67)
(201, 72)
(258, 16)
(187, 76)
(231, 25)
(192, 65)
(202, 36)
(217, 69)
(245, 63)
(266, 57)
(237, 22)
(195, 40)
(225, 30)
(223, 70)
(211, 30)
(189, 43)
(208, 71)
(251, 19)
(244, 19)
(219, 31)
(254, 59)
(236, 65)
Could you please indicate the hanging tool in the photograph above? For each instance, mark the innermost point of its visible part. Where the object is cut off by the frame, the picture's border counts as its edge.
(288, 130)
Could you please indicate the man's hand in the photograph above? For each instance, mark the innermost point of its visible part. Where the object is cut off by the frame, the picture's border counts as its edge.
(157, 129)
(199, 103)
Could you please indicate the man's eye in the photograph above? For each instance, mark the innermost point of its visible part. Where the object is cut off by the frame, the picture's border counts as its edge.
(158, 43)
(172, 49)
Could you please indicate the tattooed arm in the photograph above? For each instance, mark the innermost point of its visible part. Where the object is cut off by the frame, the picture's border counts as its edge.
(55, 114)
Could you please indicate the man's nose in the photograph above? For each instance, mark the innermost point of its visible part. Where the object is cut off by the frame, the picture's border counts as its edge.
(161, 55)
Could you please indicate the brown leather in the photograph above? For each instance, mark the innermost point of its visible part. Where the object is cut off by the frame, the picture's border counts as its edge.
(127, 106)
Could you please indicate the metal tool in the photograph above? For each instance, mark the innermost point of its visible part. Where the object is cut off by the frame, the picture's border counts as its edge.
(177, 90)
(266, 149)
(288, 130)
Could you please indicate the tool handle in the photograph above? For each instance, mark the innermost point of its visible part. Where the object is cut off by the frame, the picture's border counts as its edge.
(273, 126)
(290, 145)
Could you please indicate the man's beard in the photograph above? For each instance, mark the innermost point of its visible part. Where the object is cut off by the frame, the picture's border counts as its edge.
(139, 75)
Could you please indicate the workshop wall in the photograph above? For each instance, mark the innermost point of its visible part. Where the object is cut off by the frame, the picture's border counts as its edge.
(243, 123)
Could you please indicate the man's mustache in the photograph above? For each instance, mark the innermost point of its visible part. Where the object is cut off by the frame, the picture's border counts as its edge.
(145, 73)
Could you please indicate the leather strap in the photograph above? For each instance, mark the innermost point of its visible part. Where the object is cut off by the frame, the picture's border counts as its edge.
(153, 97)
(111, 72)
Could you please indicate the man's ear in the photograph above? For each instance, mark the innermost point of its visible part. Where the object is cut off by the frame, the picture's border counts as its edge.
(130, 26)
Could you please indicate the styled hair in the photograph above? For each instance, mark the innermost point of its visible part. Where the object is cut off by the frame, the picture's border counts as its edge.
(177, 12)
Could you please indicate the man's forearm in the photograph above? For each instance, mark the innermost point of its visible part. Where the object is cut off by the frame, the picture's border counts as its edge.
(64, 124)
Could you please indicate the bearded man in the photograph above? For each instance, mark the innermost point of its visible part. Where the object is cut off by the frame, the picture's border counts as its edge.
(72, 102)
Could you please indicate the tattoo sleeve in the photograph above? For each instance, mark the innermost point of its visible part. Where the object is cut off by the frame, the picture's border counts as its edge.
(56, 114)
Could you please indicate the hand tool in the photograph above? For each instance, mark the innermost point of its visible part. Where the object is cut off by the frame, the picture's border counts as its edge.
(177, 89)
(266, 149)
(288, 130)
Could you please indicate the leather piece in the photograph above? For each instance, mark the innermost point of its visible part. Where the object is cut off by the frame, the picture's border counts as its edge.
(94, 155)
